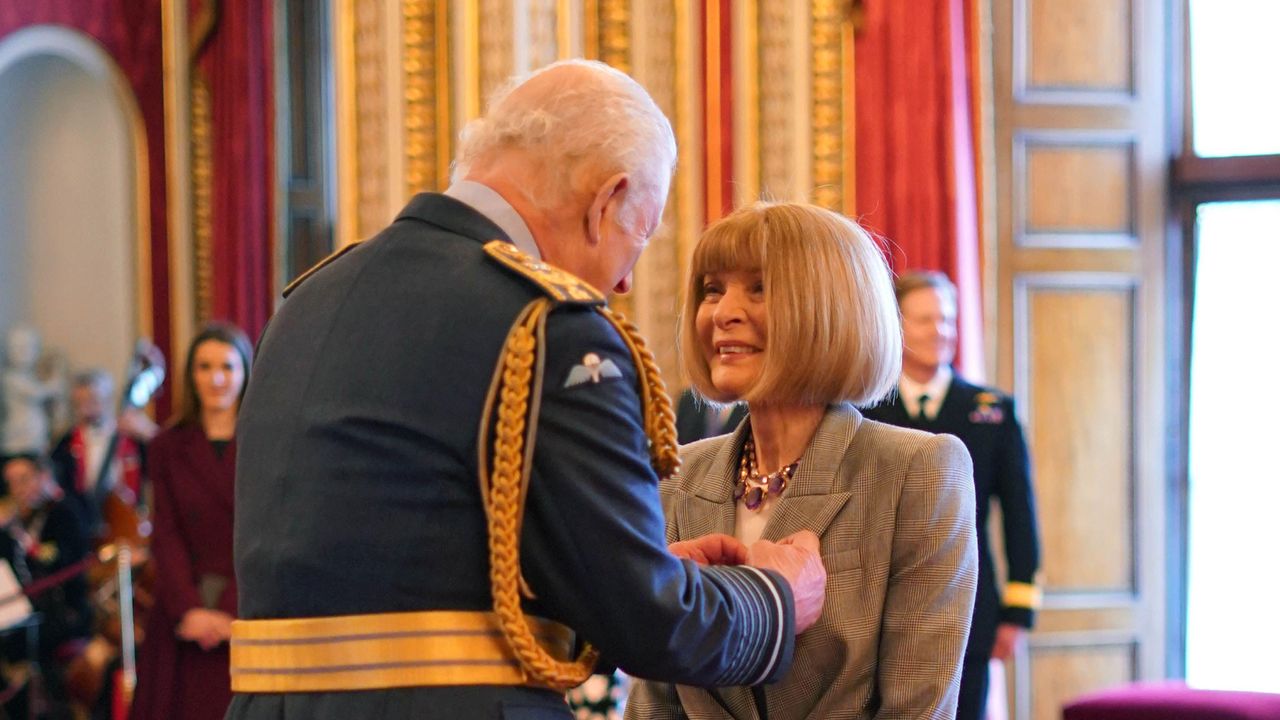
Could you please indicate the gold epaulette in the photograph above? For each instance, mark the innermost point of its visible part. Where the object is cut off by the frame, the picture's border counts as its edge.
(315, 269)
(561, 286)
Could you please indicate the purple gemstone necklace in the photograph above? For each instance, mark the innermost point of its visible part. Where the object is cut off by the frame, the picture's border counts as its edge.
(752, 486)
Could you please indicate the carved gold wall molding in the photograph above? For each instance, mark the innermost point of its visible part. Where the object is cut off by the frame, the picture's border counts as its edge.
(372, 187)
(828, 104)
(202, 193)
(614, 21)
(428, 127)
(747, 106)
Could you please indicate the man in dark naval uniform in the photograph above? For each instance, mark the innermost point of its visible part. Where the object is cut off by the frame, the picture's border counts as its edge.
(932, 397)
(444, 490)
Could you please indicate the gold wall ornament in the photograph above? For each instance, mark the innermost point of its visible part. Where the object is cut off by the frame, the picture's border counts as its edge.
(687, 122)
(713, 138)
(371, 150)
(565, 46)
(614, 20)
(828, 103)
(428, 126)
(202, 193)
(607, 32)
(747, 106)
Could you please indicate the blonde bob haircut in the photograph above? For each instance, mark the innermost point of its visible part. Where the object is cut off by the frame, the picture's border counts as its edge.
(833, 329)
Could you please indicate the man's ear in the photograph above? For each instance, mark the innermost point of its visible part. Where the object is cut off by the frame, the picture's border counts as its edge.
(611, 189)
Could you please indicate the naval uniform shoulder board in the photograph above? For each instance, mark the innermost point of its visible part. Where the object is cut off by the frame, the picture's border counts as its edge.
(316, 268)
(561, 286)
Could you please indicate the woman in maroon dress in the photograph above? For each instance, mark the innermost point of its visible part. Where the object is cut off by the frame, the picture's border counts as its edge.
(183, 668)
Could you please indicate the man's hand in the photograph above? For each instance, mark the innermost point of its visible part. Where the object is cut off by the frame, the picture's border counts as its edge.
(796, 557)
(206, 628)
(714, 549)
(1008, 635)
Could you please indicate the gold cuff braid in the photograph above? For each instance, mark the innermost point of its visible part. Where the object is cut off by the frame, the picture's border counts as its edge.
(517, 390)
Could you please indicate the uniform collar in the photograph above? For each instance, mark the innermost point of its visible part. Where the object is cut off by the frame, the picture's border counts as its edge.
(936, 388)
(486, 201)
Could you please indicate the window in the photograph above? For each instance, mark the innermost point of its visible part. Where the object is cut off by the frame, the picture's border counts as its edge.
(1227, 182)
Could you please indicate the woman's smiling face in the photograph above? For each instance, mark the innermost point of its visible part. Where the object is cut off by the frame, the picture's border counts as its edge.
(732, 328)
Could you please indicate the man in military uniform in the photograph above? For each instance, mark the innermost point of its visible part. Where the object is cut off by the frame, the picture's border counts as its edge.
(932, 397)
(445, 430)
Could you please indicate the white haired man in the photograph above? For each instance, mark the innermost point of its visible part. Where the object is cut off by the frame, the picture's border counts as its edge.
(445, 430)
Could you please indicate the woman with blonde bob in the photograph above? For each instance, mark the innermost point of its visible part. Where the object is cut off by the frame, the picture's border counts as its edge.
(790, 307)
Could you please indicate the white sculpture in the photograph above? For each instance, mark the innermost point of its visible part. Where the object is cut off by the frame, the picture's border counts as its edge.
(28, 397)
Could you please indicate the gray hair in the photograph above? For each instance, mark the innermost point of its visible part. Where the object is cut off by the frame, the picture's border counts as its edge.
(600, 120)
(95, 379)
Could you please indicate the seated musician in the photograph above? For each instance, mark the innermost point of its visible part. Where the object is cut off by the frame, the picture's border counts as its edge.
(45, 545)
(101, 453)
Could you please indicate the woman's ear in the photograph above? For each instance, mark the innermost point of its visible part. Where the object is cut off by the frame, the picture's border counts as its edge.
(611, 190)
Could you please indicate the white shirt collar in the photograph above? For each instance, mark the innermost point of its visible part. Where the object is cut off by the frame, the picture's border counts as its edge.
(486, 201)
(104, 429)
(936, 388)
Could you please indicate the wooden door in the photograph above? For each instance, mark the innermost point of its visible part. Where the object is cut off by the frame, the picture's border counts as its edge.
(1078, 310)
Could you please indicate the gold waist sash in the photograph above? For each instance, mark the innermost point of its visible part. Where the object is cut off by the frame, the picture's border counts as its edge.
(371, 652)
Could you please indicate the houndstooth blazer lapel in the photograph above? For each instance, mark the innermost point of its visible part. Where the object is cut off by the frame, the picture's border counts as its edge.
(707, 506)
(816, 494)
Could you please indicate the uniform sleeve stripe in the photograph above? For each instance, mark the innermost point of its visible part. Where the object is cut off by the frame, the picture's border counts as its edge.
(1022, 595)
(781, 626)
(762, 617)
(734, 584)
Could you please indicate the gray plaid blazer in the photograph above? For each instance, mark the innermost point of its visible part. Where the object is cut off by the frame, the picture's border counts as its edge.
(895, 511)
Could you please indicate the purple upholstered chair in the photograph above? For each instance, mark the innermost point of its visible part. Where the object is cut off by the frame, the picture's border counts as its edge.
(1172, 701)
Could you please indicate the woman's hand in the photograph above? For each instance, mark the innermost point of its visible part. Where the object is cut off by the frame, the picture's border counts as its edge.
(206, 628)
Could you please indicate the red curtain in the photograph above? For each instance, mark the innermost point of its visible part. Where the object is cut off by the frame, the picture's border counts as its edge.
(236, 60)
(130, 31)
(916, 171)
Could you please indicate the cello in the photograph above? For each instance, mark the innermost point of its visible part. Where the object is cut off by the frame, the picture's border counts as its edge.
(121, 577)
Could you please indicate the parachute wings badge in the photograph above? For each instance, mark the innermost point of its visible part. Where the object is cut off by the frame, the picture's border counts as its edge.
(593, 369)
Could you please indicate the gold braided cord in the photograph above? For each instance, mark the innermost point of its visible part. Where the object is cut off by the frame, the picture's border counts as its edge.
(516, 391)
(504, 505)
(659, 418)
